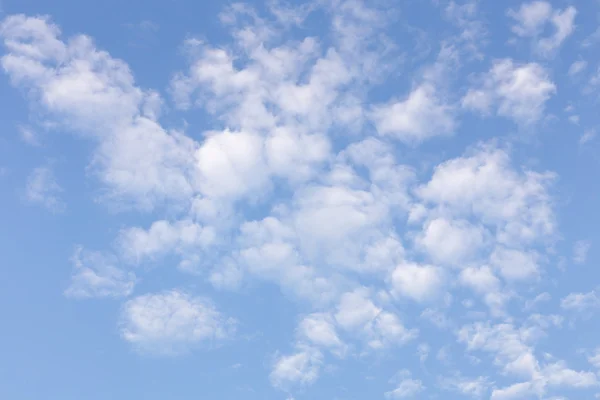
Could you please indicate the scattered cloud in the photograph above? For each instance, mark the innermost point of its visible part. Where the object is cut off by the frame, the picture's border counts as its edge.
(515, 91)
(173, 322)
(580, 251)
(472, 387)
(43, 189)
(577, 67)
(301, 368)
(406, 387)
(581, 302)
(299, 177)
(418, 117)
(530, 22)
(98, 275)
(587, 136)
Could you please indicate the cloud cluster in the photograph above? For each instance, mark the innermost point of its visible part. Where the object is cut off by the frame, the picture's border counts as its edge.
(298, 180)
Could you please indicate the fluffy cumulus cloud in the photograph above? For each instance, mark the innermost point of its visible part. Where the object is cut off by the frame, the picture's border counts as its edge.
(515, 91)
(317, 152)
(406, 387)
(172, 322)
(531, 21)
(99, 275)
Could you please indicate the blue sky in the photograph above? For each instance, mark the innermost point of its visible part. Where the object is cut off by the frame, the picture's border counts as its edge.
(336, 199)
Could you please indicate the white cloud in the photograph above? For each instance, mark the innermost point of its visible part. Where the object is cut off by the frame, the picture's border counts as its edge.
(587, 136)
(472, 387)
(581, 302)
(473, 31)
(98, 275)
(594, 359)
(516, 91)
(580, 251)
(90, 93)
(517, 391)
(319, 329)
(231, 164)
(450, 242)
(574, 119)
(481, 279)
(43, 189)
(356, 310)
(358, 314)
(422, 115)
(28, 136)
(284, 190)
(406, 387)
(559, 375)
(592, 39)
(483, 184)
(185, 237)
(423, 352)
(484, 282)
(302, 367)
(515, 356)
(417, 282)
(577, 67)
(268, 250)
(173, 322)
(515, 264)
(511, 353)
(531, 19)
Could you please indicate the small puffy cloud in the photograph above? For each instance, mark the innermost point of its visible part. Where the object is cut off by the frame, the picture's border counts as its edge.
(357, 314)
(86, 91)
(580, 251)
(514, 264)
(484, 282)
(515, 91)
(577, 67)
(173, 322)
(581, 302)
(185, 238)
(356, 309)
(559, 375)
(506, 342)
(406, 387)
(522, 390)
(422, 115)
(532, 18)
(587, 136)
(594, 358)
(484, 184)
(423, 351)
(43, 189)
(417, 282)
(231, 164)
(472, 387)
(480, 279)
(450, 242)
(319, 329)
(300, 368)
(98, 275)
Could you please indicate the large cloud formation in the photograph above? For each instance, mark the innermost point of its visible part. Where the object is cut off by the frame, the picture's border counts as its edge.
(349, 228)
